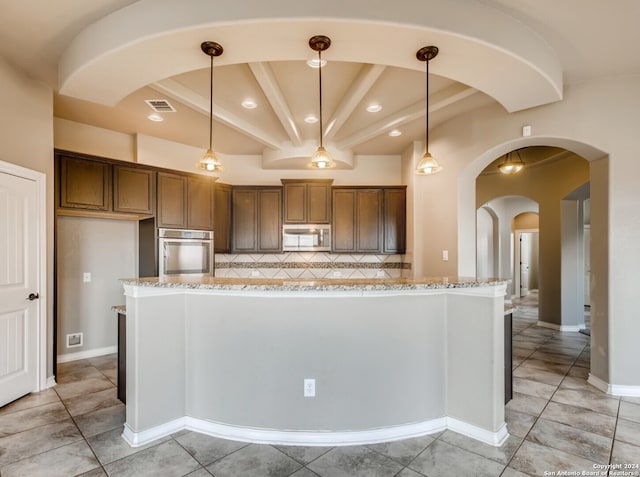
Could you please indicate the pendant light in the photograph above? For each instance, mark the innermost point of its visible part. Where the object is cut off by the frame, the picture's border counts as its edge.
(321, 159)
(510, 165)
(427, 165)
(210, 161)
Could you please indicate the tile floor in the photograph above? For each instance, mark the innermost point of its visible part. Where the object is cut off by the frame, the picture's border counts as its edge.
(557, 422)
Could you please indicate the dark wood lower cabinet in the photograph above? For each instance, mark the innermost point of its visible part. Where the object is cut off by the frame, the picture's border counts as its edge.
(122, 357)
(508, 358)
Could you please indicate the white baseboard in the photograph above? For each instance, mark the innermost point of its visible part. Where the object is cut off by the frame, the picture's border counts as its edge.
(495, 439)
(313, 438)
(614, 389)
(553, 326)
(89, 353)
(51, 382)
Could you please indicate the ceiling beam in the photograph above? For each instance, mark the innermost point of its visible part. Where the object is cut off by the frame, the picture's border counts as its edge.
(366, 78)
(190, 98)
(269, 84)
(437, 101)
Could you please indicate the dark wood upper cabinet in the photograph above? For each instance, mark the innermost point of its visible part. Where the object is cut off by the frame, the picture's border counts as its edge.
(395, 220)
(134, 190)
(343, 230)
(172, 200)
(185, 201)
(256, 219)
(85, 184)
(369, 219)
(270, 220)
(222, 218)
(307, 201)
(244, 219)
(200, 203)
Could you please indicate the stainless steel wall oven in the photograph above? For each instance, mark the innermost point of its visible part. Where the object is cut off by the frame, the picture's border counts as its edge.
(185, 252)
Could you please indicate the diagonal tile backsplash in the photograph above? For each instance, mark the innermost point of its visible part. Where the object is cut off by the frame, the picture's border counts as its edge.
(310, 265)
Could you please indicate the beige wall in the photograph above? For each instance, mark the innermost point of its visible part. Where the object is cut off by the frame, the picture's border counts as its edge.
(77, 137)
(527, 220)
(26, 139)
(595, 120)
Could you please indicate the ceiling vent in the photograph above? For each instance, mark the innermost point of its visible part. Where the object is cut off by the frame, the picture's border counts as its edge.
(160, 105)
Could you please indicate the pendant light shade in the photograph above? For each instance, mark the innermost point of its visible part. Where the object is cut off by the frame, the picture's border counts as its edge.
(511, 165)
(428, 164)
(321, 159)
(210, 161)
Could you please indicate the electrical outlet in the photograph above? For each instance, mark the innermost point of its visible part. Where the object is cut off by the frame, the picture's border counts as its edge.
(74, 340)
(445, 255)
(255, 273)
(337, 274)
(309, 388)
(380, 274)
(86, 277)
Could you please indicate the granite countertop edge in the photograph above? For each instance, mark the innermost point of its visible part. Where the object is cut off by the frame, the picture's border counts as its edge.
(267, 284)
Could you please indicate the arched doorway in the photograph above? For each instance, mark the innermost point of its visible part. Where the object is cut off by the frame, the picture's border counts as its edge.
(550, 309)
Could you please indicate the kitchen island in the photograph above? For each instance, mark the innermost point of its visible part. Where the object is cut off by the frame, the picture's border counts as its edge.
(390, 359)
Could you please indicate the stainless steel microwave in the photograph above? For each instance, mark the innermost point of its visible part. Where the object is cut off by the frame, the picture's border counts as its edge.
(306, 238)
(185, 252)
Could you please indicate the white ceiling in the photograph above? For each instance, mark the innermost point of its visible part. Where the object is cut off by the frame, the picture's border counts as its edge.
(105, 57)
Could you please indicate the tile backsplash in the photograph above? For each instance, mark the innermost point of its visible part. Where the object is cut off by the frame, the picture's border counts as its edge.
(310, 265)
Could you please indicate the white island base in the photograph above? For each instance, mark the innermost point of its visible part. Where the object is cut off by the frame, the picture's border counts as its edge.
(396, 360)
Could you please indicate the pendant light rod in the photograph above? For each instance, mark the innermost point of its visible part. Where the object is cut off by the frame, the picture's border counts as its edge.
(320, 96)
(321, 159)
(427, 54)
(320, 43)
(212, 49)
(210, 161)
(428, 164)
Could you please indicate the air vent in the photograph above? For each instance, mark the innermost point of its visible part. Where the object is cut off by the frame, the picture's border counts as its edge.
(160, 105)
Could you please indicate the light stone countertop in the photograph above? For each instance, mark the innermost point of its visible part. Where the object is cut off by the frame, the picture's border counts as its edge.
(328, 284)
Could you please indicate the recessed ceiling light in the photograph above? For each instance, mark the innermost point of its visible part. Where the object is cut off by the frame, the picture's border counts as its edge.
(155, 117)
(249, 104)
(395, 133)
(374, 108)
(315, 63)
(311, 119)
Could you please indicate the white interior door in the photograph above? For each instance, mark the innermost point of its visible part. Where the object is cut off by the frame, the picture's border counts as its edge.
(19, 307)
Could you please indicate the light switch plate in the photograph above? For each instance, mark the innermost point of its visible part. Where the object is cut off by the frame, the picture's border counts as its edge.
(86, 277)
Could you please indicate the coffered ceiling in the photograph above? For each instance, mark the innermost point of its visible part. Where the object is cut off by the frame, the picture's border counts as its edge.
(104, 58)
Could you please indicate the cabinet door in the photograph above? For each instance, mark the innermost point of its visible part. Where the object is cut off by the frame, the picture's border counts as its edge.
(344, 220)
(295, 203)
(369, 220)
(270, 220)
(395, 220)
(85, 184)
(244, 211)
(200, 203)
(222, 218)
(318, 203)
(134, 190)
(172, 200)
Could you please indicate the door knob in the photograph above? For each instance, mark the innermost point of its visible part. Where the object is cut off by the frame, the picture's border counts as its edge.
(33, 296)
